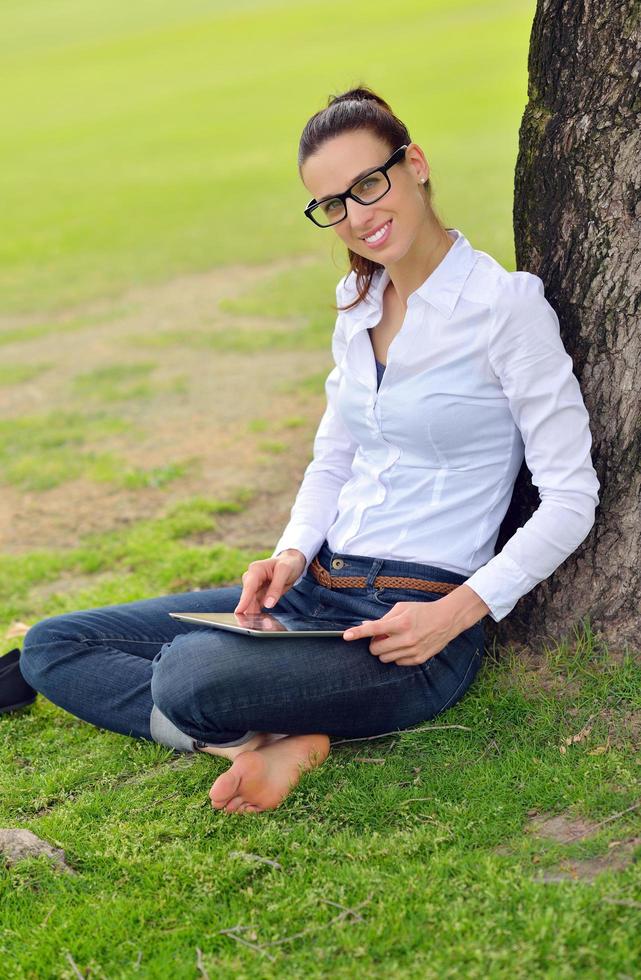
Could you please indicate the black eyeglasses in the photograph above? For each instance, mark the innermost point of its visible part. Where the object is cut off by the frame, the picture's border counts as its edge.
(368, 189)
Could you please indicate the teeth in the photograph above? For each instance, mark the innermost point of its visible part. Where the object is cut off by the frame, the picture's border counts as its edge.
(379, 233)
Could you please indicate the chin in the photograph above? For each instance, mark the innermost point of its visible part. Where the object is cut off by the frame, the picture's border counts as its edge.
(384, 256)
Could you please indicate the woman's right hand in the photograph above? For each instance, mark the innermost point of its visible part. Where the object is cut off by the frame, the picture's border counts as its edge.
(269, 579)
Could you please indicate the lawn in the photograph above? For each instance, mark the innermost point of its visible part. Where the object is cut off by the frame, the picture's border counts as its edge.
(153, 242)
(143, 140)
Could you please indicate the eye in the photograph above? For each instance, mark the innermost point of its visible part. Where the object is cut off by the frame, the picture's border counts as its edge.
(371, 186)
(329, 207)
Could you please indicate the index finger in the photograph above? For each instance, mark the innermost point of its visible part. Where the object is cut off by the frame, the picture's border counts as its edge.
(247, 596)
(277, 585)
(370, 627)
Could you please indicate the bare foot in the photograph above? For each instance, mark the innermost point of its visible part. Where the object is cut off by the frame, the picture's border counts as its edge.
(260, 738)
(261, 779)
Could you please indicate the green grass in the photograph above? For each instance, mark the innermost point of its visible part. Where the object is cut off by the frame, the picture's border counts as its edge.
(157, 140)
(311, 384)
(309, 288)
(276, 323)
(427, 842)
(120, 565)
(272, 446)
(125, 383)
(109, 468)
(157, 476)
(16, 374)
(48, 328)
(42, 451)
(115, 382)
(429, 846)
(244, 340)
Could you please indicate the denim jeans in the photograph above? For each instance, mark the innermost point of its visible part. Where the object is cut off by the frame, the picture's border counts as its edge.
(133, 669)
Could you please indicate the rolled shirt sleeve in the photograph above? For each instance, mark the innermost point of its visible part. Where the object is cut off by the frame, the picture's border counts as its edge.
(536, 374)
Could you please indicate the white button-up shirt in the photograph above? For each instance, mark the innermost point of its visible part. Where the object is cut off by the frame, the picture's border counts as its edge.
(423, 469)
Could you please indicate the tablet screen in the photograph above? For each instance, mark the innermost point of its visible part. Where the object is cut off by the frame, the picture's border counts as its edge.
(266, 624)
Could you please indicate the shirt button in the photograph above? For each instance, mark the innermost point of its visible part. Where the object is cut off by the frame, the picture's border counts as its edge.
(337, 562)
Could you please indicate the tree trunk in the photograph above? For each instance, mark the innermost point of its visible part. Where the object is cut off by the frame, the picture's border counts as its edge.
(577, 225)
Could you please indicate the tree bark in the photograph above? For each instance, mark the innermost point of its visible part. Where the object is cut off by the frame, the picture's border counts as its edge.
(577, 225)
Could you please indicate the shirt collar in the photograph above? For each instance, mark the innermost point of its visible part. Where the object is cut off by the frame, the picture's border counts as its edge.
(441, 289)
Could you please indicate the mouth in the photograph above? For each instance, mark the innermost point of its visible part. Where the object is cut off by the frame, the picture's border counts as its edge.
(380, 235)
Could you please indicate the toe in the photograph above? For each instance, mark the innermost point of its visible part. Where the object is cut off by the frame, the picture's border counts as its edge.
(235, 804)
(248, 808)
(224, 788)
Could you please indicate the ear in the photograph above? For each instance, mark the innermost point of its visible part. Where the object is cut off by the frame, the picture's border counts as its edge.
(417, 160)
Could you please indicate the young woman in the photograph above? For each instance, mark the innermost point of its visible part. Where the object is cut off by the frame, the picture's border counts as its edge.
(447, 370)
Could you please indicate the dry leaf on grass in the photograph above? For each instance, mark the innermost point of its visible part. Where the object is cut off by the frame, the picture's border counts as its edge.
(16, 630)
(601, 749)
(579, 737)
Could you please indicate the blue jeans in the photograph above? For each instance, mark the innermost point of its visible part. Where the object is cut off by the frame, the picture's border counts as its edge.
(132, 669)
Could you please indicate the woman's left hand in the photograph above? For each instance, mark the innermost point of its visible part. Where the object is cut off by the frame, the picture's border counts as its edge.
(410, 633)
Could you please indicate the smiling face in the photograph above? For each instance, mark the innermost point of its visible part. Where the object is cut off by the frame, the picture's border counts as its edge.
(400, 213)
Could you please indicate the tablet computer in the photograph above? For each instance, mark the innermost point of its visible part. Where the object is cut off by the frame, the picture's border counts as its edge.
(265, 623)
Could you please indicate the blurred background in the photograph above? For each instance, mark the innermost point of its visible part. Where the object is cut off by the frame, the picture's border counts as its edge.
(167, 309)
(143, 140)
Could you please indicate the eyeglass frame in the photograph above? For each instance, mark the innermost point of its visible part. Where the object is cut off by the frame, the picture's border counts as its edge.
(396, 157)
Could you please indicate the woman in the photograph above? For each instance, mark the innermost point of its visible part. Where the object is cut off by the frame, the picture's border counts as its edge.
(429, 412)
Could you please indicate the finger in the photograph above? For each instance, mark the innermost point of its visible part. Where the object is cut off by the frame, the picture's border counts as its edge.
(246, 597)
(252, 608)
(395, 656)
(372, 628)
(247, 604)
(383, 646)
(373, 649)
(259, 598)
(251, 582)
(243, 602)
(278, 585)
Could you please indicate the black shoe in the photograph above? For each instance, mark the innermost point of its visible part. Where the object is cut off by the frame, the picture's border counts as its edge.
(14, 690)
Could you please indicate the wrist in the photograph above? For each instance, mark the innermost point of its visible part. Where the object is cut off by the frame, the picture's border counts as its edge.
(466, 606)
(293, 553)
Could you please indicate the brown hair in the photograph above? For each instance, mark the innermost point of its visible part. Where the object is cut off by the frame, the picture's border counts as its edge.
(357, 108)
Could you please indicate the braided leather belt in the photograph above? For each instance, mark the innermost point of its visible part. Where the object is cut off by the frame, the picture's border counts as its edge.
(323, 577)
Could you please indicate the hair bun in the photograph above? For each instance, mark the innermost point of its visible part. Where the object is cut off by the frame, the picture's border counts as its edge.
(361, 94)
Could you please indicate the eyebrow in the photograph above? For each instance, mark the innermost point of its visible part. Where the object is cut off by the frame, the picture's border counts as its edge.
(363, 173)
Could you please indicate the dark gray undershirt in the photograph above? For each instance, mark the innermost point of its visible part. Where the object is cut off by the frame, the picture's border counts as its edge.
(380, 370)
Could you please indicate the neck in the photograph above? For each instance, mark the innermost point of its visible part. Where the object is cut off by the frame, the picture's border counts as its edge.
(427, 251)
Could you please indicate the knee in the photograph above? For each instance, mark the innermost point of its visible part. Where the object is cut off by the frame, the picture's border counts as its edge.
(190, 674)
(174, 679)
(42, 647)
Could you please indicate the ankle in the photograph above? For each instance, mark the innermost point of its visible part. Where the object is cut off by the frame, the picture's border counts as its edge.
(232, 751)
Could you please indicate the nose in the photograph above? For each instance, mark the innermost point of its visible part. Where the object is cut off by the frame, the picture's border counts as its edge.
(357, 215)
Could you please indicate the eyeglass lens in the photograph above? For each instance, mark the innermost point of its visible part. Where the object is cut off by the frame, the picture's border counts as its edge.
(367, 190)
